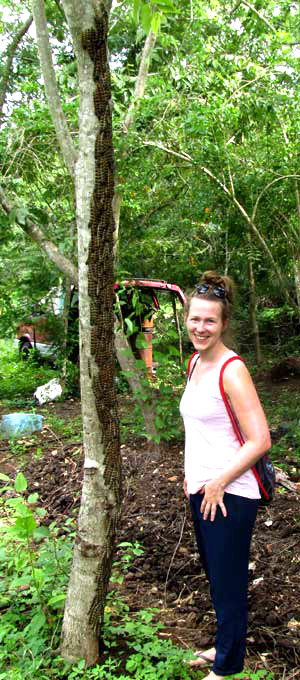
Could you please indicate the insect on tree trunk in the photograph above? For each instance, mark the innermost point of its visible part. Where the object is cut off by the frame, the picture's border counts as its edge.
(101, 491)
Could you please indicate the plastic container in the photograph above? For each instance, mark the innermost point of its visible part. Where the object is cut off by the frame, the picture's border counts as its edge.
(21, 423)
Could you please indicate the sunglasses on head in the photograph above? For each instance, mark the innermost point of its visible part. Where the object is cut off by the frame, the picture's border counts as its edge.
(218, 291)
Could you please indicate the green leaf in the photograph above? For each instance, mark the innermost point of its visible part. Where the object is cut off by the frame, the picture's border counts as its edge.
(174, 351)
(41, 532)
(168, 4)
(32, 498)
(20, 482)
(136, 10)
(130, 327)
(37, 622)
(4, 478)
(22, 510)
(21, 215)
(146, 18)
(25, 525)
(57, 601)
(155, 22)
(141, 342)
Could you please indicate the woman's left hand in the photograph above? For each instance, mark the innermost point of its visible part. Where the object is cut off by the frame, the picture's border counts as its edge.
(213, 496)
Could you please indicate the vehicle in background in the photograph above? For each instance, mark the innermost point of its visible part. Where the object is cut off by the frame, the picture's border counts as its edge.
(42, 330)
(36, 333)
(137, 302)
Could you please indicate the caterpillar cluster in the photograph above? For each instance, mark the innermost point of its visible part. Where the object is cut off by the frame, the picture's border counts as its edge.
(100, 287)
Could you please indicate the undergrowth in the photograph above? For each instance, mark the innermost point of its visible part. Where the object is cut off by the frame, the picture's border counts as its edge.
(35, 563)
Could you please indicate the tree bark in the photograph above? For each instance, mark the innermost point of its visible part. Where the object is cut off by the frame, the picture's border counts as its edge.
(101, 491)
(62, 132)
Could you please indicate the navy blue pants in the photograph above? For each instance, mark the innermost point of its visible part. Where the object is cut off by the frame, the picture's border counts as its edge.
(224, 547)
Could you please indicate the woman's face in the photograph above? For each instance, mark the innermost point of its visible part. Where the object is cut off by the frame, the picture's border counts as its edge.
(204, 323)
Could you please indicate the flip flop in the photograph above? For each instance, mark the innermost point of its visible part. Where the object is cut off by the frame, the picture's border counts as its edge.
(203, 657)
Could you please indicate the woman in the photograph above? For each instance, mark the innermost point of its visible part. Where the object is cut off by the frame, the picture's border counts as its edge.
(219, 482)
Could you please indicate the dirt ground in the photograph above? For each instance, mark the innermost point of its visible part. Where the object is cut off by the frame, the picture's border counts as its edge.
(168, 575)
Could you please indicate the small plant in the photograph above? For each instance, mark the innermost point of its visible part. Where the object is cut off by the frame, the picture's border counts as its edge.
(71, 429)
(34, 567)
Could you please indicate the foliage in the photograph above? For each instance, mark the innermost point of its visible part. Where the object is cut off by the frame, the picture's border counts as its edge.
(19, 379)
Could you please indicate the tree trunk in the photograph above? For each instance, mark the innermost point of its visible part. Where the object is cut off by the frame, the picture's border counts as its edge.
(297, 280)
(253, 304)
(66, 314)
(101, 492)
(296, 258)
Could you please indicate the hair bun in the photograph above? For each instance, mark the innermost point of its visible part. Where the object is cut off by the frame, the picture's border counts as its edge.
(212, 278)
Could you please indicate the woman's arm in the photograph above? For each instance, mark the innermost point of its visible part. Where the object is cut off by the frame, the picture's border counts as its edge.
(243, 397)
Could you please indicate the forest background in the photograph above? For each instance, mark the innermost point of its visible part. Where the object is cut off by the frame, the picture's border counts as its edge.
(205, 129)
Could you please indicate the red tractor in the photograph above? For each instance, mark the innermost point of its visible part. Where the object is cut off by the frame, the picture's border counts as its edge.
(41, 334)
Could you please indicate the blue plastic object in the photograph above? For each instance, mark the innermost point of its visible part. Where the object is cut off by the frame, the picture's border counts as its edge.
(21, 423)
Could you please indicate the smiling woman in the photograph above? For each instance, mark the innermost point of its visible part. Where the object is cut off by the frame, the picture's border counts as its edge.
(220, 485)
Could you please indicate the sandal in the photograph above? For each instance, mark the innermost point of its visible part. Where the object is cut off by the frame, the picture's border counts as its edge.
(202, 660)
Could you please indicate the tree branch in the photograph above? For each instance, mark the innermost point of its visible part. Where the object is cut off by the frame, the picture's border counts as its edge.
(184, 156)
(57, 2)
(278, 179)
(129, 118)
(37, 235)
(54, 102)
(141, 80)
(253, 9)
(11, 51)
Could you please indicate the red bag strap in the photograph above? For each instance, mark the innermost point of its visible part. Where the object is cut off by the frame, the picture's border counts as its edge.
(229, 409)
(233, 418)
(190, 362)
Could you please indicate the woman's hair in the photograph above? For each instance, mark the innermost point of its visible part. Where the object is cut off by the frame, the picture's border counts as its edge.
(213, 286)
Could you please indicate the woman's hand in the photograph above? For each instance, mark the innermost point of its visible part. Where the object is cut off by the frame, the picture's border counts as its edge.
(187, 495)
(213, 496)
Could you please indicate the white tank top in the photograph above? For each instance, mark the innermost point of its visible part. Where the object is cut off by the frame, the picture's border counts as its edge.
(210, 442)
